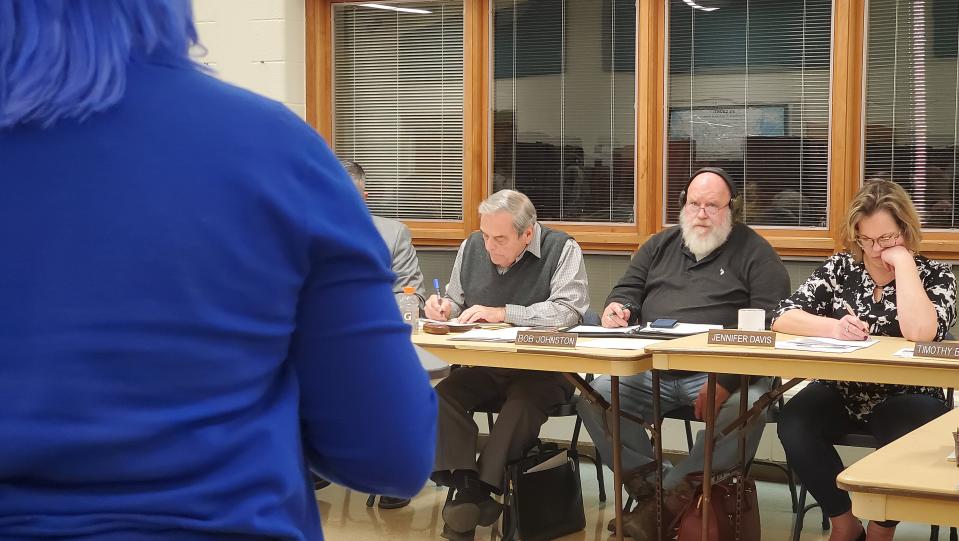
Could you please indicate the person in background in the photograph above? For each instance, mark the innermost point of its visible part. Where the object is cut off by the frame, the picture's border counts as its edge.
(517, 271)
(172, 366)
(701, 271)
(406, 272)
(405, 265)
(879, 286)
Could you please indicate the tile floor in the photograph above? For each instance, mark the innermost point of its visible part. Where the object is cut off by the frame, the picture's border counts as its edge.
(346, 517)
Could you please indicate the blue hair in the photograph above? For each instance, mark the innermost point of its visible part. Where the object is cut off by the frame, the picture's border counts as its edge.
(67, 59)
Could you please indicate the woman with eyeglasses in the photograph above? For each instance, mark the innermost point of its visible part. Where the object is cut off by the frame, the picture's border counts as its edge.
(881, 286)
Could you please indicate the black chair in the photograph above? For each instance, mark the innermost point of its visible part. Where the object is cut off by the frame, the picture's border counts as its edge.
(865, 440)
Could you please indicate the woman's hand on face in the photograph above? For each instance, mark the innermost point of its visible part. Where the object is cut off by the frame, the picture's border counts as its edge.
(850, 328)
(894, 256)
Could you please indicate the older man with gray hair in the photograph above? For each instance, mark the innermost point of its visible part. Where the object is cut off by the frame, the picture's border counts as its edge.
(517, 271)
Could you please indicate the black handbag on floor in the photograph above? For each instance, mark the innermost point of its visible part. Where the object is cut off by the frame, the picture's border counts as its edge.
(545, 504)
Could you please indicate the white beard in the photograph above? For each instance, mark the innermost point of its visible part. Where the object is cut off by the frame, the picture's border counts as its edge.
(702, 244)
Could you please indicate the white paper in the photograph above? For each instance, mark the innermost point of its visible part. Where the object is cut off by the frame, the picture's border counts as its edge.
(452, 324)
(904, 352)
(951, 457)
(604, 330)
(683, 328)
(554, 462)
(824, 345)
(617, 343)
(507, 334)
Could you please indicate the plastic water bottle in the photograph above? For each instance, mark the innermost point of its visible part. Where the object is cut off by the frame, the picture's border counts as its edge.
(410, 308)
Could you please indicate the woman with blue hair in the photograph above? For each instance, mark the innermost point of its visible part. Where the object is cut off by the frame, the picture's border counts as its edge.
(196, 305)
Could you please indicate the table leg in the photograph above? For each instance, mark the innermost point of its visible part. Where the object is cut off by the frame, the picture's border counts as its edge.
(710, 417)
(657, 434)
(740, 486)
(617, 457)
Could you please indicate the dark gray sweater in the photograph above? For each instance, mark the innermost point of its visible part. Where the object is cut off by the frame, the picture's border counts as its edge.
(666, 281)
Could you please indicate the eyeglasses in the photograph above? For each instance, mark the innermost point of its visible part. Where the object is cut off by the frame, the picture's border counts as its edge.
(711, 209)
(885, 241)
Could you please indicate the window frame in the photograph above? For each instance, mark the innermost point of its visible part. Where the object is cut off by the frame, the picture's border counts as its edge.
(846, 128)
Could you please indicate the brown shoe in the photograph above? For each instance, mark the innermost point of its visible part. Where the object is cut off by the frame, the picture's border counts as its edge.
(640, 523)
(632, 520)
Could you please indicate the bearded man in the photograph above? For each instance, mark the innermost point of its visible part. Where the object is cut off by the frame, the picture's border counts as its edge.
(702, 271)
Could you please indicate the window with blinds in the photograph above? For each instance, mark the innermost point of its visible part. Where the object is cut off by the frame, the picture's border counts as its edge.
(911, 102)
(563, 106)
(398, 104)
(748, 91)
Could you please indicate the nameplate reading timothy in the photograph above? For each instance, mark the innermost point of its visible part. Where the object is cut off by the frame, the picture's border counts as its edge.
(937, 350)
(733, 337)
(549, 339)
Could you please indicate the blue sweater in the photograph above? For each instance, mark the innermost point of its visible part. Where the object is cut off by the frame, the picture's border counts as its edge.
(194, 306)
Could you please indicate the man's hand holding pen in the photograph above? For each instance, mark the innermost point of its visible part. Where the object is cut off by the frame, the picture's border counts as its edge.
(438, 308)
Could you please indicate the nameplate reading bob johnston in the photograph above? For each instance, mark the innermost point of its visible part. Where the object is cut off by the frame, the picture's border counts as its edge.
(733, 337)
(937, 350)
(549, 339)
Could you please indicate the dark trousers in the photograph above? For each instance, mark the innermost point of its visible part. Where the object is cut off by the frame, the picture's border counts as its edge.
(813, 420)
(523, 399)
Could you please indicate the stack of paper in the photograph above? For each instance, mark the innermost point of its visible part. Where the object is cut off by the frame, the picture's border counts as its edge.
(617, 343)
(595, 329)
(825, 345)
(453, 324)
(491, 335)
(683, 329)
(554, 461)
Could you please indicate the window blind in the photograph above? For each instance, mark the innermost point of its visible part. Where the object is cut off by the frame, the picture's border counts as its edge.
(911, 102)
(563, 106)
(398, 105)
(748, 91)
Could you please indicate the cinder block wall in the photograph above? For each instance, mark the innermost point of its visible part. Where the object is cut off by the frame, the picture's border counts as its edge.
(257, 44)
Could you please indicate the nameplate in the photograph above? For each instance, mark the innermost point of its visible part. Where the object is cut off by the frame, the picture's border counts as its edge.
(548, 339)
(936, 350)
(733, 337)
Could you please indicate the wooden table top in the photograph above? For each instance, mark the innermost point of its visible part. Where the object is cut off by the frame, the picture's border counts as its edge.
(875, 363)
(616, 362)
(909, 479)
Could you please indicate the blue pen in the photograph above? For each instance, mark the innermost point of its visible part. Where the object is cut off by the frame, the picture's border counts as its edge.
(436, 286)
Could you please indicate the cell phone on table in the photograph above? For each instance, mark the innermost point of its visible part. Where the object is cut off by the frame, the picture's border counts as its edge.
(663, 323)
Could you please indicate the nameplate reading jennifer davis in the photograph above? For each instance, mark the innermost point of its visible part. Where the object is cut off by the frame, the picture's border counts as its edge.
(733, 337)
(549, 339)
(937, 350)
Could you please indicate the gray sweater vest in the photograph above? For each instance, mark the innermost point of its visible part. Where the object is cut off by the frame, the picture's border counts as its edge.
(527, 282)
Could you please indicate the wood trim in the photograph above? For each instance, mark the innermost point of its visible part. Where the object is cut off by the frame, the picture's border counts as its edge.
(603, 237)
(319, 67)
(476, 110)
(941, 245)
(651, 65)
(846, 118)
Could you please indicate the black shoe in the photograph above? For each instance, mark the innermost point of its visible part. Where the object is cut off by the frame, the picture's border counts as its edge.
(389, 502)
(319, 482)
(449, 533)
(464, 513)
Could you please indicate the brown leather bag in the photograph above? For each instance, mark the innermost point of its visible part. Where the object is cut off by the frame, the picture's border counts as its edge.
(722, 520)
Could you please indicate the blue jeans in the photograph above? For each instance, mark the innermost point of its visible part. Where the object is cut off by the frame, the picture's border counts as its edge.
(636, 397)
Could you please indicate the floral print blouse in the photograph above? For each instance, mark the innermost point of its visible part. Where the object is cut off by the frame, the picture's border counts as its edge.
(842, 278)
